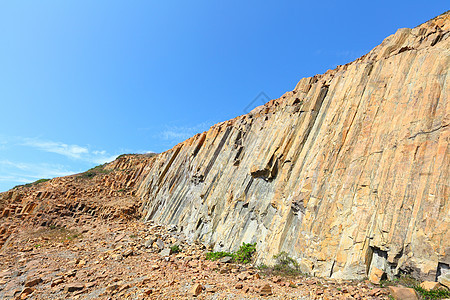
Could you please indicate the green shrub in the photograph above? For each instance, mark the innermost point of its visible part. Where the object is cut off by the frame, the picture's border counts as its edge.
(100, 169)
(217, 255)
(437, 294)
(243, 255)
(175, 249)
(284, 266)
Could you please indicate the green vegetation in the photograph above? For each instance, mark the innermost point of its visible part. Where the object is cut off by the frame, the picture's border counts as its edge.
(410, 282)
(100, 169)
(53, 233)
(175, 249)
(32, 183)
(437, 294)
(404, 280)
(243, 255)
(150, 154)
(73, 236)
(217, 255)
(284, 266)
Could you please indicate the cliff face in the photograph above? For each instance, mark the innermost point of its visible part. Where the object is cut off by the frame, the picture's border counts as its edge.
(347, 172)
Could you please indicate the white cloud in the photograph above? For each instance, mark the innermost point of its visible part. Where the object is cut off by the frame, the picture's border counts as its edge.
(180, 133)
(28, 172)
(72, 151)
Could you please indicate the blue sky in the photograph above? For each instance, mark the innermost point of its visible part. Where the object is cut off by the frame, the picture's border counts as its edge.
(84, 81)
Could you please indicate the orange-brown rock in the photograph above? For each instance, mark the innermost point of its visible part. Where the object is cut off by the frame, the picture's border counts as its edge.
(347, 173)
(349, 170)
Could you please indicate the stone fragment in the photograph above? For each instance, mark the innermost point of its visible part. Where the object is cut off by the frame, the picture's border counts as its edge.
(26, 291)
(196, 290)
(238, 286)
(430, 285)
(242, 276)
(33, 281)
(160, 244)
(71, 273)
(127, 253)
(376, 275)
(445, 280)
(73, 287)
(112, 287)
(403, 293)
(57, 281)
(226, 259)
(148, 292)
(165, 252)
(149, 243)
(265, 290)
(210, 288)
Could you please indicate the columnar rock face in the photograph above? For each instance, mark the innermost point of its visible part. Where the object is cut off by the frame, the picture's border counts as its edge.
(348, 173)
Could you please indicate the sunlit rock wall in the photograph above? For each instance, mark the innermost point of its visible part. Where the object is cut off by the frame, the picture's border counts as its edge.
(348, 171)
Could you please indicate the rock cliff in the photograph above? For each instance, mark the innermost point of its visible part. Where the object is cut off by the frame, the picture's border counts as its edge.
(348, 173)
(349, 170)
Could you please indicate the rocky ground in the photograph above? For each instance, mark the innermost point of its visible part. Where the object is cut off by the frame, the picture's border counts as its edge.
(80, 237)
(88, 258)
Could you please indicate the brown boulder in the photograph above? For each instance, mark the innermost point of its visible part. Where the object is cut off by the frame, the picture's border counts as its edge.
(266, 290)
(196, 290)
(403, 293)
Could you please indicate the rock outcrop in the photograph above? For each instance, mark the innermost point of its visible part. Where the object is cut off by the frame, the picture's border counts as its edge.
(348, 173)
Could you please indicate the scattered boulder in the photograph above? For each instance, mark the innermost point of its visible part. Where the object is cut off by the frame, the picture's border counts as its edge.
(403, 293)
(196, 290)
(33, 281)
(445, 280)
(265, 290)
(127, 252)
(160, 244)
(430, 285)
(73, 287)
(226, 259)
(376, 275)
(165, 252)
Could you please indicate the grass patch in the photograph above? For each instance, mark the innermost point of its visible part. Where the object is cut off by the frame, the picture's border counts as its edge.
(32, 183)
(243, 255)
(56, 234)
(150, 154)
(404, 280)
(100, 169)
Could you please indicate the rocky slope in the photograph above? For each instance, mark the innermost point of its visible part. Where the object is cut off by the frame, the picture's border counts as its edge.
(348, 173)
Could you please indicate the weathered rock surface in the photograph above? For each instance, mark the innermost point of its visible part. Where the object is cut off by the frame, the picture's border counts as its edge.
(349, 170)
(348, 173)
